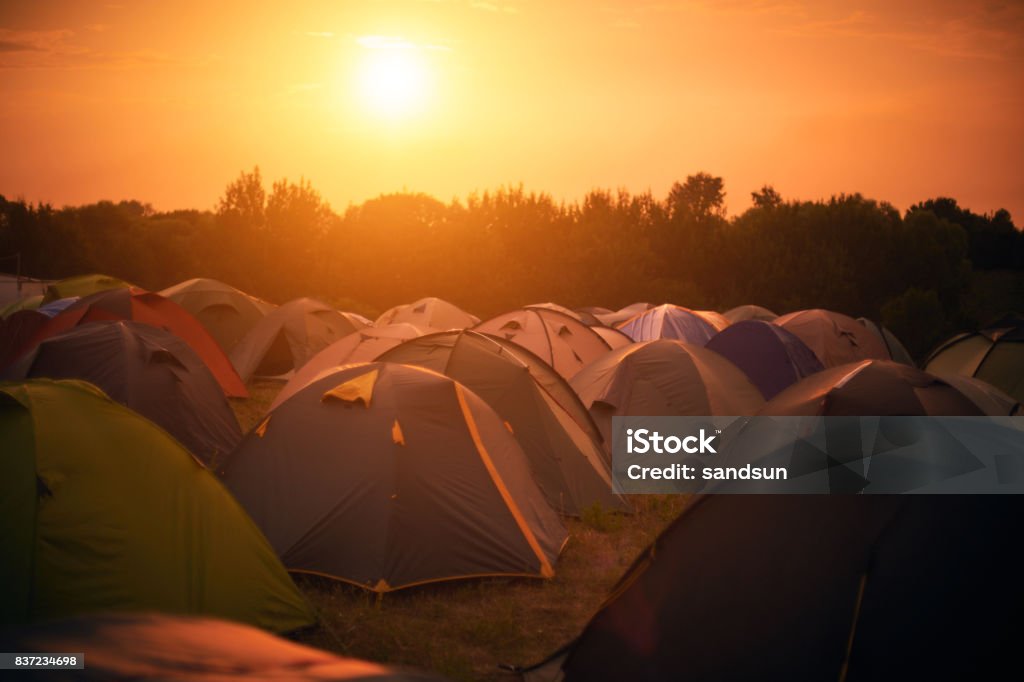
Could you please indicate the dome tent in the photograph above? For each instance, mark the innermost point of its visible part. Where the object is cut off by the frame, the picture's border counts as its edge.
(771, 357)
(287, 337)
(835, 338)
(153, 309)
(872, 587)
(362, 345)
(664, 378)
(227, 313)
(568, 465)
(994, 354)
(871, 387)
(189, 649)
(83, 285)
(388, 476)
(669, 322)
(897, 351)
(430, 314)
(562, 341)
(146, 369)
(103, 511)
(749, 312)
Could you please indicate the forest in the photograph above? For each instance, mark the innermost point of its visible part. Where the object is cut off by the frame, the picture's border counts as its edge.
(933, 270)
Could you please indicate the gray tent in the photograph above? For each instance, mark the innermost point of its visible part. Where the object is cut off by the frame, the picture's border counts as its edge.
(568, 465)
(388, 476)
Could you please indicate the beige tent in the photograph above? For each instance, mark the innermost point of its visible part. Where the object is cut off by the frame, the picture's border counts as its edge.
(227, 313)
(363, 345)
(430, 314)
(835, 338)
(562, 341)
(288, 337)
(664, 378)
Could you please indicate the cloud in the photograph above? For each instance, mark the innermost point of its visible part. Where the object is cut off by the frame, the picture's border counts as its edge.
(17, 46)
(491, 7)
(58, 49)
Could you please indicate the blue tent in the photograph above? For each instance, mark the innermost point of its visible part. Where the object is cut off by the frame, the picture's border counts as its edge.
(771, 357)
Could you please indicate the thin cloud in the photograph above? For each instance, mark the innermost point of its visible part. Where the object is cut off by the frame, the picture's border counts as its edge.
(397, 43)
(491, 7)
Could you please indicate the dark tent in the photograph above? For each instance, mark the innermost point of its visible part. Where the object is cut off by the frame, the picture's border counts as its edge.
(871, 387)
(804, 587)
(149, 646)
(16, 333)
(388, 476)
(101, 510)
(150, 370)
(153, 309)
(770, 356)
(568, 465)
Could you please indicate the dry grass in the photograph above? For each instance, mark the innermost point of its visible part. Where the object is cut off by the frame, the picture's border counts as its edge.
(465, 629)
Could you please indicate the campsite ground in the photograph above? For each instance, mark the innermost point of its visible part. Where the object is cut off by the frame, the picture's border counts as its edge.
(465, 629)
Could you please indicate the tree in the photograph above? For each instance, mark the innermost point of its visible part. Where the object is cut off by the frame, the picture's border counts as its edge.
(243, 204)
(701, 198)
(766, 198)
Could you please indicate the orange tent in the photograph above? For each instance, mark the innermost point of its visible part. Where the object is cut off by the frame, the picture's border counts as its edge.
(152, 309)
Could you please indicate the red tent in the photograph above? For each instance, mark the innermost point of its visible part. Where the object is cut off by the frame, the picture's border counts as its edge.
(152, 309)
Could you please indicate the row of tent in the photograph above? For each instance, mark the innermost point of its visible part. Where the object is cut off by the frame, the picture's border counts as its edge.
(392, 457)
(261, 339)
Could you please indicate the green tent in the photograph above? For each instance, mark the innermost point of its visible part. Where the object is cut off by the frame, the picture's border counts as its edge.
(101, 510)
(994, 354)
(83, 285)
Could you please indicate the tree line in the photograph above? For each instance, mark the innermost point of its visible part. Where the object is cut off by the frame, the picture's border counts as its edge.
(924, 273)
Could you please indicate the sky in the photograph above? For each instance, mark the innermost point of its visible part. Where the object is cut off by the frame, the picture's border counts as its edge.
(168, 102)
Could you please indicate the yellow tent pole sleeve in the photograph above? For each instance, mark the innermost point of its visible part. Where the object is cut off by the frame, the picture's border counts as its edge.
(545, 566)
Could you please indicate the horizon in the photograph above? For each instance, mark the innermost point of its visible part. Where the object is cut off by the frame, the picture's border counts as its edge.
(166, 104)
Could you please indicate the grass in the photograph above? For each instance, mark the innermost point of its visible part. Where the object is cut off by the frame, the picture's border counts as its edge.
(465, 629)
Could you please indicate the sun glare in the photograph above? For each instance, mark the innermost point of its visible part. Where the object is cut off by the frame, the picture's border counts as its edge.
(393, 82)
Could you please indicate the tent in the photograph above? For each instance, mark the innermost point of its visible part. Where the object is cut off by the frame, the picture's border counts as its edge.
(613, 337)
(388, 476)
(715, 319)
(429, 314)
(770, 356)
(101, 510)
(562, 341)
(814, 587)
(994, 354)
(569, 466)
(227, 313)
(897, 351)
(559, 308)
(989, 399)
(363, 345)
(23, 303)
(83, 285)
(835, 338)
(749, 312)
(614, 319)
(663, 378)
(286, 338)
(668, 322)
(153, 309)
(16, 333)
(871, 387)
(127, 647)
(145, 368)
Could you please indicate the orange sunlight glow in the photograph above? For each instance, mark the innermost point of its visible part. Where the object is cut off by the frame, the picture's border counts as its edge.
(393, 80)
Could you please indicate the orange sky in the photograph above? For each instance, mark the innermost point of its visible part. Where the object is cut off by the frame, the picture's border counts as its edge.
(167, 102)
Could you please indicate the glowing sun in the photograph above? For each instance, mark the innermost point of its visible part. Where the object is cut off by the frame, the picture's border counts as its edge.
(393, 83)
